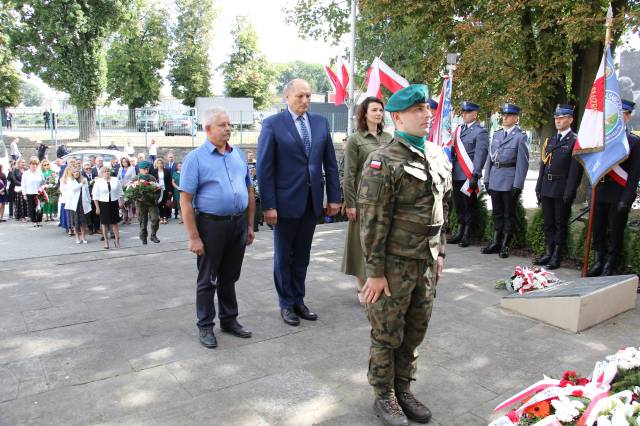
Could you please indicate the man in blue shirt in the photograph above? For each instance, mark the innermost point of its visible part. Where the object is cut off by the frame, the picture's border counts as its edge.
(217, 205)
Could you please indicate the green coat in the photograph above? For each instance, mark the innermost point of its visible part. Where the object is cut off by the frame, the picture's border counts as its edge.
(359, 146)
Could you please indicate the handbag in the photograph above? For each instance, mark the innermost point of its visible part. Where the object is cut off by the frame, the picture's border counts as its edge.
(169, 204)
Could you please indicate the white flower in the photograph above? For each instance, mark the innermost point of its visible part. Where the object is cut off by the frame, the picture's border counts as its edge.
(604, 421)
(567, 409)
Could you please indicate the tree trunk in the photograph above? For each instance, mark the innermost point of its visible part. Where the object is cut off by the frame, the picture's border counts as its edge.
(131, 121)
(87, 124)
(584, 72)
(3, 116)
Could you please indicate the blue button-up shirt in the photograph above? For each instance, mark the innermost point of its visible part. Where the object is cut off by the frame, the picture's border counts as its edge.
(305, 118)
(218, 182)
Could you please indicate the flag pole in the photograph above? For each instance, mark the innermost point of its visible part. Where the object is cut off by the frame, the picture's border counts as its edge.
(587, 249)
(352, 61)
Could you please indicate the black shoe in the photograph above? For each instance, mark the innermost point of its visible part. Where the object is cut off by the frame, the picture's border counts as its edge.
(598, 265)
(610, 267)
(102, 238)
(154, 239)
(289, 317)
(554, 262)
(303, 312)
(207, 338)
(494, 245)
(456, 238)
(466, 237)
(144, 241)
(389, 412)
(506, 243)
(546, 257)
(236, 329)
(413, 409)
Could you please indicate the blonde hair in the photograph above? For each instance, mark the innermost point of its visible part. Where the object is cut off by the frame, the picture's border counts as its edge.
(68, 173)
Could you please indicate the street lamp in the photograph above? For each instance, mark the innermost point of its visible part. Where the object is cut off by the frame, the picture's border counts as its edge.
(452, 62)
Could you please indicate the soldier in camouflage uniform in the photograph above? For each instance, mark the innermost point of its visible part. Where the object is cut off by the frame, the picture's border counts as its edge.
(147, 212)
(402, 211)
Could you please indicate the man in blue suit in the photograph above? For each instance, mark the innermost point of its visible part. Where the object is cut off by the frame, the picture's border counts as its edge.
(294, 148)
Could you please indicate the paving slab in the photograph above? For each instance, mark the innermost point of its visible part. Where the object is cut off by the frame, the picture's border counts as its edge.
(90, 336)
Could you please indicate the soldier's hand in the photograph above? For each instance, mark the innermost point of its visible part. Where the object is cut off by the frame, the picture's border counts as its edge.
(539, 198)
(271, 216)
(196, 246)
(373, 289)
(439, 268)
(473, 182)
(351, 214)
(516, 192)
(332, 209)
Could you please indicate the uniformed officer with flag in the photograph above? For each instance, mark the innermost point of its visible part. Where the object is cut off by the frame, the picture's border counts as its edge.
(614, 197)
(558, 180)
(470, 144)
(505, 173)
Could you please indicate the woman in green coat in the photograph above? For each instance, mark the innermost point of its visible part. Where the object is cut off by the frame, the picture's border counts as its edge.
(368, 137)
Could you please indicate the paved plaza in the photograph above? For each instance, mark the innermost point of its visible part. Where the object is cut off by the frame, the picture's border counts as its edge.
(89, 336)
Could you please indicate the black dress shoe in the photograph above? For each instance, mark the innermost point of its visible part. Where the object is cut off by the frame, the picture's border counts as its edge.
(207, 338)
(144, 240)
(236, 329)
(303, 312)
(289, 317)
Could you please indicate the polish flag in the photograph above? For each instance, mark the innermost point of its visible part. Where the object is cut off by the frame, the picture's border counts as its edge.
(343, 75)
(339, 89)
(381, 74)
(591, 131)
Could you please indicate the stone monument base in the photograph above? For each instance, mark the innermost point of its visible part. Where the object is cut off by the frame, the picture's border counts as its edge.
(577, 304)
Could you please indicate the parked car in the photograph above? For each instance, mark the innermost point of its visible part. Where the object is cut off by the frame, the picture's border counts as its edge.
(148, 120)
(4, 157)
(108, 154)
(179, 125)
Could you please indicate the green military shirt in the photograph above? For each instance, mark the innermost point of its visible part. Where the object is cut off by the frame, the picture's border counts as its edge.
(359, 146)
(402, 200)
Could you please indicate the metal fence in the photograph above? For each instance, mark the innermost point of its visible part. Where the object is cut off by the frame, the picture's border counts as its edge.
(104, 126)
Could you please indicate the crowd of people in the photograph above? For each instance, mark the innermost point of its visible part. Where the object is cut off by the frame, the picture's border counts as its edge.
(89, 197)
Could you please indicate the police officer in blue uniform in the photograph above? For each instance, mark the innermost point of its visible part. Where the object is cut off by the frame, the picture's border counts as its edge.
(613, 202)
(558, 180)
(504, 176)
(475, 140)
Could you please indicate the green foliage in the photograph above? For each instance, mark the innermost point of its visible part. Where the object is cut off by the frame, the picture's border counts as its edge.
(190, 74)
(480, 218)
(248, 74)
(535, 232)
(136, 56)
(520, 227)
(313, 73)
(634, 252)
(10, 88)
(31, 94)
(626, 379)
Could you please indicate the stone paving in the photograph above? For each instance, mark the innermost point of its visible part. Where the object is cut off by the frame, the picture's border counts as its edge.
(89, 336)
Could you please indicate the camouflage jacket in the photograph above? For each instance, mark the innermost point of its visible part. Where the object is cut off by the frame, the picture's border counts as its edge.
(402, 200)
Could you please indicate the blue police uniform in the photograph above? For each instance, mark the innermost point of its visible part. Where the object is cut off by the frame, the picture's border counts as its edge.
(505, 172)
(475, 140)
(558, 180)
(613, 202)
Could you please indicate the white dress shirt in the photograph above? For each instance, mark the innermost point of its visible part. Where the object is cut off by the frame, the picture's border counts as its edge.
(101, 190)
(32, 181)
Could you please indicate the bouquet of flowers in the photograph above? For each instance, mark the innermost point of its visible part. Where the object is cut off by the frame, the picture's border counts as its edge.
(526, 279)
(609, 397)
(41, 198)
(53, 192)
(143, 192)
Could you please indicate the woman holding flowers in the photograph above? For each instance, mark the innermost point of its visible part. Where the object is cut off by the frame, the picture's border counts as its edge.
(126, 172)
(50, 208)
(32, 181)
(78, 203)
(108, 198)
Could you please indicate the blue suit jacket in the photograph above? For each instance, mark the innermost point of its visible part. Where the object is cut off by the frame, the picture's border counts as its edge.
(285, 173)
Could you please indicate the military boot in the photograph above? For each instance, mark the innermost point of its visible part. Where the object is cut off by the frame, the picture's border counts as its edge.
(456, 238)
(494, 244)
(388, 410)
(413, 409)
(598, 265)
(466, 236)
(506, 243)
(610, 267)
(546, 257)
(554, 262)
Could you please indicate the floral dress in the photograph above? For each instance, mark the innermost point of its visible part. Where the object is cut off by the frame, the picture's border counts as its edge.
(52, 206)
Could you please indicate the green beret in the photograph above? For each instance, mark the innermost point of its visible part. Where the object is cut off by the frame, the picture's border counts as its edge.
(144, 165)
(409, 96)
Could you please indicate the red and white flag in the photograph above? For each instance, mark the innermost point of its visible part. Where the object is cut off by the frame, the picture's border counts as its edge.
(381, 74)
(339, 81)
(591, 132)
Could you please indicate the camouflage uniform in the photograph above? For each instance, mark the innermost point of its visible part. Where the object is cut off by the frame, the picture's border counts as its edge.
(402, 208)
(147, 212)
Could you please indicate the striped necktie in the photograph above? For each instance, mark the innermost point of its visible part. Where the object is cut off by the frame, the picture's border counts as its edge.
(305, 135)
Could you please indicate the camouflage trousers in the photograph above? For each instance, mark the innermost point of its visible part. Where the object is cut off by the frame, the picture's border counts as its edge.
(399, 322)
(148, 213)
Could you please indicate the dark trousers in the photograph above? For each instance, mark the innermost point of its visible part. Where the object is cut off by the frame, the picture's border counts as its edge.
(556, 214)
(31, 209)
(292, 241)
(465, 206)
(219, 269)
(504, 211)
(607, 218)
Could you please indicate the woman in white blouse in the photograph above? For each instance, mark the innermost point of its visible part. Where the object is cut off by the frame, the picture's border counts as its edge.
(125, 174)
(32, 180)
(78, 202)
(108, 198)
